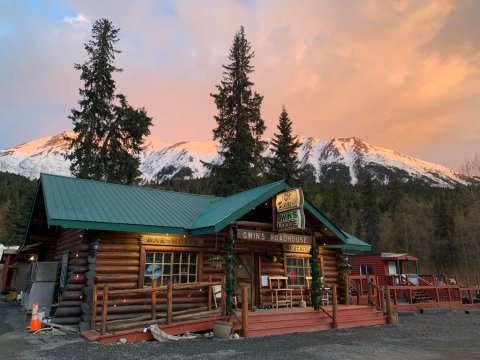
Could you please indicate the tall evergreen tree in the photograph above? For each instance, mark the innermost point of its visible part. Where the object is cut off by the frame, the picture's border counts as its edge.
(284, 163)
(445, 251)
(109, 132)
(370, 212)
(239, 123)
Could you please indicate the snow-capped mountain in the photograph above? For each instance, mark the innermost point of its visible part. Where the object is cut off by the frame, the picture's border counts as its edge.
(346, 160)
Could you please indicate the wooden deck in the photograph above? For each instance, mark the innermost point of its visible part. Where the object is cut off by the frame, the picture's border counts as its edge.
(261, 323)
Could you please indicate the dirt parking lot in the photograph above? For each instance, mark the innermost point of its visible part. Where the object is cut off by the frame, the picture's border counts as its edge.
(450, 335)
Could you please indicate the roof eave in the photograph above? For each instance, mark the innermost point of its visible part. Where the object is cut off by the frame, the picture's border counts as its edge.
(148, 229)
(364, 248)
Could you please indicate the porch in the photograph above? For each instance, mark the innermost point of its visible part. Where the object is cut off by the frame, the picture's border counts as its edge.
(107, 329)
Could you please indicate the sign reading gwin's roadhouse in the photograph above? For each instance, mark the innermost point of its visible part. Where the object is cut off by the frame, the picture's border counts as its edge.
(289, 206)
(273, 237)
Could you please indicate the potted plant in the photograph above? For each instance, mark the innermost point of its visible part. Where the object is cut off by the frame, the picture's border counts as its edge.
(217, 261)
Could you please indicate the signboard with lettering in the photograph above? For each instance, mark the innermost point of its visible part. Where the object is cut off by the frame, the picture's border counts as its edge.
(291, 220)
(296, 248)
(289, 200)
(273, 237)
(170, 240)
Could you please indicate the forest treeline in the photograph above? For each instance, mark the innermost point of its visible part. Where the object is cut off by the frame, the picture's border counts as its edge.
(441, 226)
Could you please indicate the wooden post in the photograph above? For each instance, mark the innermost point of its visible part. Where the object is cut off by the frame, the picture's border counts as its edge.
(209, 304)
(334, 307)
(347, 289)
(154, 300)
(6, 265)
(224, 298)
(358, 292)
(395, 300)
(449, 295)
(369, 290)
(410, 298)
(103, 327)
(388, 305)
(93, 320)
(245, 311)
(169, 301)
(381, 302)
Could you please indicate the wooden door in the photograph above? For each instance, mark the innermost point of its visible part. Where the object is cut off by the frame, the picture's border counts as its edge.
(246, 276)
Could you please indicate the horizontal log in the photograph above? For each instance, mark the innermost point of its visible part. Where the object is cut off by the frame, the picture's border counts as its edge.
(66, 320)
(107, 279)
(118, 248)
(197, 315)
(72, 295)
(70, 303)
(117, 269)
(136, 324)
(77, 269)
(112, 255)
(122, 286)
(141, 309)
(116, 262)
(67, 312)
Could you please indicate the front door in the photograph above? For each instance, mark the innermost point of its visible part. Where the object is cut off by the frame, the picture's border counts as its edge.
(246, 277)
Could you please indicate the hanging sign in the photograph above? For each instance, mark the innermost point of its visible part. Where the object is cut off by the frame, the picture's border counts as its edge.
(291, 220)
(273, 237)
(171, 240)
(296, 248)
(289, 200)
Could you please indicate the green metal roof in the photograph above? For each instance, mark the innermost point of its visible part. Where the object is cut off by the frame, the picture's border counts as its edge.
(352, 243)
(222, 212)
(88, 204)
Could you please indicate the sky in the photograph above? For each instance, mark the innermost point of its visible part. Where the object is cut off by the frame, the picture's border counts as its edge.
(404, 75)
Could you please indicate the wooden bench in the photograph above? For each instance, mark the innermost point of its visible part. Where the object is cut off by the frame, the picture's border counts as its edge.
(281, 294)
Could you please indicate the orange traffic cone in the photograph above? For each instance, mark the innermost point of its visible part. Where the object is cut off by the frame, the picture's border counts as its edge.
(35, 322)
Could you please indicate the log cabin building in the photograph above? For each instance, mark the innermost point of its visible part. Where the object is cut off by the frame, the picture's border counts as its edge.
(126, 236)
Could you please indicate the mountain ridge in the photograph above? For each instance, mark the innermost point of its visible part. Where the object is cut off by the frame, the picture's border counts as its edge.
(346, 160)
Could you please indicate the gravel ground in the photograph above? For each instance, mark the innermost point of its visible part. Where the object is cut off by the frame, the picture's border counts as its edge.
(450, 335)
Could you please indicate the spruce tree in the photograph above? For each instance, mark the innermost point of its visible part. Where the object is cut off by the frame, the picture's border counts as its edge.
(239, 123)
(284, 163)
(370, 212)
(108, 132)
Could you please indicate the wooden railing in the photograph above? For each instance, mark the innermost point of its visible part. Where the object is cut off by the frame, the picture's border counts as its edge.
(155, 292)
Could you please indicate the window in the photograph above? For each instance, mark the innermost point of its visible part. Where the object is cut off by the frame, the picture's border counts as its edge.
(366, 270)
(163, 266)
(297, 269)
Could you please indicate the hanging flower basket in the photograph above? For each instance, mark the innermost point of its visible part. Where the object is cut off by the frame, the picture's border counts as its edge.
(217, 261)
(345, 266)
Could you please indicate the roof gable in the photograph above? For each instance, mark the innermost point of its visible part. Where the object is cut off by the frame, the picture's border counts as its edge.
(222, 212)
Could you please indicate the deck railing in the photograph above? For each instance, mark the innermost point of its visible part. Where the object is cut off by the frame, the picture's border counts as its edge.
(155, 293)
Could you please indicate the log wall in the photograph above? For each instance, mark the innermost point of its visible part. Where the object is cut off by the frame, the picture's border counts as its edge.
(69, 305)
(118, 263)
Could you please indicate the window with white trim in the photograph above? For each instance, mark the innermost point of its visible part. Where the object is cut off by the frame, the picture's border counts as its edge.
(297, 269)
(366, 270)
(176, 266)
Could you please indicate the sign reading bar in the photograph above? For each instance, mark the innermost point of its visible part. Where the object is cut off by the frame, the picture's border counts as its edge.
(296, 248)
(289, 200)
(290, 220)
(273, 237)
(171, 240)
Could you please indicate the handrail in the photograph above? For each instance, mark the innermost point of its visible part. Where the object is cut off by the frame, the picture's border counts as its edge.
(153, 290)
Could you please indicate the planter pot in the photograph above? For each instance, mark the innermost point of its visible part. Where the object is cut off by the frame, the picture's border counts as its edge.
(302, 304)
(222, 329)
(216, 265)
